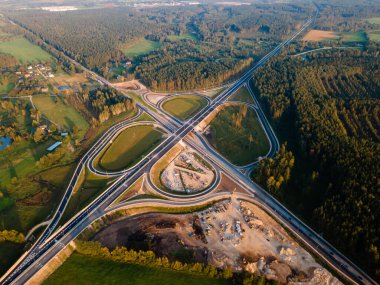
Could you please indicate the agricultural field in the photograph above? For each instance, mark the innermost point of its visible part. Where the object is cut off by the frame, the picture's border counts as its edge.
(140, 47)
(375, 20)
(129, 147)
(374, 36)
(60, 113)
(242, 95)
(24, 51)
(99, 271)
(183, 107)
(64, 79)
(318, 35)
(238, 137)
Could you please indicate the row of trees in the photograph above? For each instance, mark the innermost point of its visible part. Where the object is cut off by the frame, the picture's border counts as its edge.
(122, 254)
(12, 236)
(7, 60)
(334, 136)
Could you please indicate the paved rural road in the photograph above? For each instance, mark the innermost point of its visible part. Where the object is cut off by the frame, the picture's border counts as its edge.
(52, 243)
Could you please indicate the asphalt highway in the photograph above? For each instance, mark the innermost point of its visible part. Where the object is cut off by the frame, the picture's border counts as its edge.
(51, 243)
(187, 127)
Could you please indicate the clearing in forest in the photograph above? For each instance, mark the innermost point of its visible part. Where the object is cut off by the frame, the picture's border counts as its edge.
(24, 51)
(318, 35)
(139, 47)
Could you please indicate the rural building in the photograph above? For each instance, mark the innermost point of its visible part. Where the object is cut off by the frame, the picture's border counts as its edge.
(54, 146)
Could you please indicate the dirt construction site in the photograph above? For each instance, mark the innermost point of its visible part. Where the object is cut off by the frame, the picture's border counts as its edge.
(231, 233)
(187, 173)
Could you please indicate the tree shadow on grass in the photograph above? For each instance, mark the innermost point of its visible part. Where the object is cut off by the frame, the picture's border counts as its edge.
(69, 123)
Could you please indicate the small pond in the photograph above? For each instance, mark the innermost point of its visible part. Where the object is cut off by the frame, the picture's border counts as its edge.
(5, 141)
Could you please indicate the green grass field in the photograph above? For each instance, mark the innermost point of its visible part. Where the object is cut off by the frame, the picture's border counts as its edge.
(375, 20)
(9, 253)
(140, 47)
(90, 187)
(128, 148)
(184, 106)
(242, 95)
(374, 36)
(233, 142)
(182, 37)
(18, 215)
(5, 89)
(62, 114)
(354, 37)
(24, 51)
(79, 269)
(20, 159)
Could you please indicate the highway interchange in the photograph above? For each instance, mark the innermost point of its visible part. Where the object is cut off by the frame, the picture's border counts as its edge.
(53, 240)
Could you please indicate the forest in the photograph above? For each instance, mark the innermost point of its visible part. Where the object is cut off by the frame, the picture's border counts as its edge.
(346, 16)
(326, 106)
(100, 104)
(199, 47)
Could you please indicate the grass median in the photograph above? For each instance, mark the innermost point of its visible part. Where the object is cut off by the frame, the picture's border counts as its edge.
(183, 107)
(237, 134)
(129, 147)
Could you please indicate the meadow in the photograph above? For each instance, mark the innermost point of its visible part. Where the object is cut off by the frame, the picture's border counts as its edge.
(186, 36)
(375, 20)
(140, 47)
(374, 36)
(60, 113)
(185, 106)
(6, 88)
(79, 269)
(24, 51)
(9, 253)
(354, 37)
